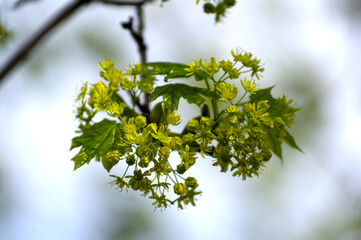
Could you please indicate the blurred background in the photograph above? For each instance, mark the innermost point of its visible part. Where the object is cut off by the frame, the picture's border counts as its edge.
(311, 51)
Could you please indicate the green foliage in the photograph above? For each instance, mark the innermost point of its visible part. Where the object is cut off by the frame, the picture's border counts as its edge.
(240, 137)
(172, 93)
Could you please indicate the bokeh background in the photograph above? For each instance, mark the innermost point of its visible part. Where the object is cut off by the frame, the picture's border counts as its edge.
(311, 51)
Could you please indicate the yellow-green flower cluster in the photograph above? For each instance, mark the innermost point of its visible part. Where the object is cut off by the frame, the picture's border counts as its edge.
(239, 133)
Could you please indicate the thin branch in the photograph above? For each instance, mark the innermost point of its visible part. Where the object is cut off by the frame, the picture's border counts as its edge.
(142, 46)
(24, 50)
(142, 49)
(143, 52)
(138, 38)
(63, 14)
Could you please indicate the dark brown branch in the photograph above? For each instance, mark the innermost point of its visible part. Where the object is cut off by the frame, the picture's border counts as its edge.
(142, 49)
(63, 14)
(138, 37)
(23, 51)
(143, 52)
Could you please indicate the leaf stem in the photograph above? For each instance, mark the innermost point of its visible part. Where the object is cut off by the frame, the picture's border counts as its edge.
(214, 103)
(241, 98)
(126, 170)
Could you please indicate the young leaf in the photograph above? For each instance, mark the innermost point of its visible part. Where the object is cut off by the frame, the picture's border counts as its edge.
(278, 106)
(201, 75)
(97, 139)
(157, 115)
(262, 94)
(273, 143)
(171, 70)
(108, 165)
(80, 159)
(172, 93)
(77, 142)
(291, 141)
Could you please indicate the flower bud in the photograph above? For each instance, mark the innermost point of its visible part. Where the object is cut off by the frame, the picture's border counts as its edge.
(232, 109)
(130, 160)
(144, 162)
(174, 119)
(226, 66)
(188, 138)
(181, 168)
(209, 8)
(193, 124)
(206, 121)
(191, 182)
(140, 121)
(233, 119)
(233, 74)
(180, 189)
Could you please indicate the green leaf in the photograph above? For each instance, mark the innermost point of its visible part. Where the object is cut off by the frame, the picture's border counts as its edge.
(77, 142)
(291, 141)
(129, 113)
(108, 165)
(96, 140)
(201, 75)
(116, 98)
(171, 70)
(80, 159)
(278, 106)
(172, 93)
(157, 115)
(273, 143)
(263, 94)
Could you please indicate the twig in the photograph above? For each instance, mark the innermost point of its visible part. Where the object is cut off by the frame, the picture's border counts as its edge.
(142, 48)
(64, 13)
(138, 37)
(32, 41)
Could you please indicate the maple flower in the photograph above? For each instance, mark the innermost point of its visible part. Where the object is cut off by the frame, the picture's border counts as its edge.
(249, 86)
(193, 67)
(229, 91)
(210, 67)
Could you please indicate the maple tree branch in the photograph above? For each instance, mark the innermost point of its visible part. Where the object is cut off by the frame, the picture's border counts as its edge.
(138, 37)
(23, 51)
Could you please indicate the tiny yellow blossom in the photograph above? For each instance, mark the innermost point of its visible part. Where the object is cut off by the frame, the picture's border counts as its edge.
(249, 86)
(174, 119)
(83, 92)
(193, 67)
(233, 74)
(99, 96)
(115, 109)
(140, 121)
(127, 84)
(229, 91)
(232, 109)
(210, 67)
(226, 66)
